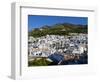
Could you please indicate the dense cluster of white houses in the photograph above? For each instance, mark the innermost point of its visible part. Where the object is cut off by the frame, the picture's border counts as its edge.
(66, 45)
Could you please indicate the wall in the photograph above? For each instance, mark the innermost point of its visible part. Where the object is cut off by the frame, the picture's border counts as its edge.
(5, 34)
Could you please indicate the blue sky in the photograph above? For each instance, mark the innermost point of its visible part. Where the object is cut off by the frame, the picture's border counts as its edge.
(37, 21)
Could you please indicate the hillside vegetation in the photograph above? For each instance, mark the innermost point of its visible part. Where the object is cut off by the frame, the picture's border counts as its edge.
(58, 29)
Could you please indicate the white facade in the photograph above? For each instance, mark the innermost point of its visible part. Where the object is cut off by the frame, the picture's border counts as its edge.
(51, 43)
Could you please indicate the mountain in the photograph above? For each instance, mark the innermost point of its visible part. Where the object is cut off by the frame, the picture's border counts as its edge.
(58, 29)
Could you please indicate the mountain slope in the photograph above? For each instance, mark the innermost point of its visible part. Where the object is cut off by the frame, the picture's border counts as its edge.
(58, 29)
